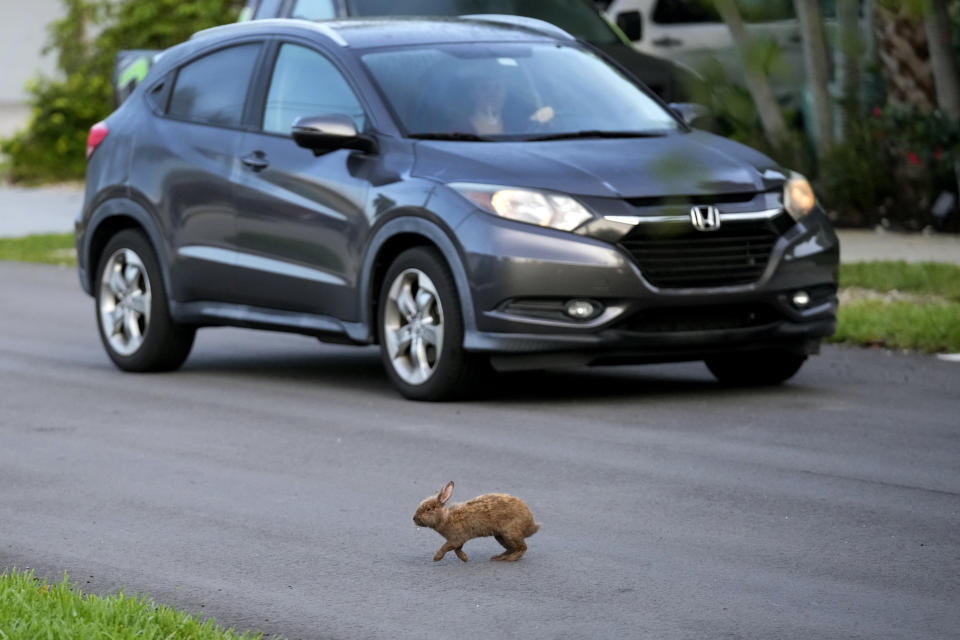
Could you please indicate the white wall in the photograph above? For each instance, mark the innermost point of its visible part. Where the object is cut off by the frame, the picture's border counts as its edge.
(23, 33)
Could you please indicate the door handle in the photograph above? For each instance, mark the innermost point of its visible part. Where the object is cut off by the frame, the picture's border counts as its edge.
(668, 42)
(256, 161)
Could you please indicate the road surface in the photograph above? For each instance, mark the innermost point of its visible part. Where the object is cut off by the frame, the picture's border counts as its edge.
(271, 484)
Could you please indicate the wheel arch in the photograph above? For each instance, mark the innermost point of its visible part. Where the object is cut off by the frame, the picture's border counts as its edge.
(392, 239)
(107, 220)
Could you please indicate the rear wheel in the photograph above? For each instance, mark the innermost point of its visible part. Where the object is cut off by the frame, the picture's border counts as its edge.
(132, 312)
(757, 368)
(420, 325)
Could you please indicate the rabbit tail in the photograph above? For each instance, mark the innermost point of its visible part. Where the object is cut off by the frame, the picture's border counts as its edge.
(531, 529)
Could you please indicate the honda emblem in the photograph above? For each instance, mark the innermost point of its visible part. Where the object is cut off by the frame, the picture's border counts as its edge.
(705, 218)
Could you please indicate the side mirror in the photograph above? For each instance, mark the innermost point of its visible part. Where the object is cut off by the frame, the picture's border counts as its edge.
(631, 23)
(323, 134)
(690, 112)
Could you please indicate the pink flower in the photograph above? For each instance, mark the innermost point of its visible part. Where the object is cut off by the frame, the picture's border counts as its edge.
(877, 112)
(913, 158)
(938, 153)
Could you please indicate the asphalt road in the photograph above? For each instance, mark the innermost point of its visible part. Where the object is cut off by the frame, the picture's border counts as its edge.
(271, 484)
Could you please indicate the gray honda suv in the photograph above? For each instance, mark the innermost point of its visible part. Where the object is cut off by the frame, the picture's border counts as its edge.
(462, 192)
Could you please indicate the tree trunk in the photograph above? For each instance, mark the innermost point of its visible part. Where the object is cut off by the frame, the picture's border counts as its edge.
(936, 23)
(771, 118)
(902, 51)
(946, 75)
(850, 50)
(818, 70)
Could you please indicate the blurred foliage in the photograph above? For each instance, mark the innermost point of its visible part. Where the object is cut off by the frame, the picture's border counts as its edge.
(890, 166)
(86, 40)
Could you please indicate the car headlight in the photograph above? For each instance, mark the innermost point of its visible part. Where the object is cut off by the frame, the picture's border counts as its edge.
(798, 198)
(541, 208)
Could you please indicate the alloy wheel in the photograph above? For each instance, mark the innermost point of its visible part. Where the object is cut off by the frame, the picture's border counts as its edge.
(413, 326)
(125, 299)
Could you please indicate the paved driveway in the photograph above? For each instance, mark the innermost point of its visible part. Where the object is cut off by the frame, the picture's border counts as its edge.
(272, 481)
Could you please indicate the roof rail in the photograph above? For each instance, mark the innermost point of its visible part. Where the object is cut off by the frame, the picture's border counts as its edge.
(253, 24)
(531, 24)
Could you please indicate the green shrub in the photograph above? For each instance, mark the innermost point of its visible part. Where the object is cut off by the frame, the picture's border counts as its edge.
(53, 145)
(890, 168)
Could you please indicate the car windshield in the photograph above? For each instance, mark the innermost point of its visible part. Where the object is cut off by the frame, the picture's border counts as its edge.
(495, 91)
(577, 17)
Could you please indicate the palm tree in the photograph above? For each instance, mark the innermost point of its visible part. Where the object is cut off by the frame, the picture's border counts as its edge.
(818, 70)
(936, 23)
(771, 118)
(850, 51)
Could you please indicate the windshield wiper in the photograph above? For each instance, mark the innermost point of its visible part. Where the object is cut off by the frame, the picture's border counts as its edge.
(454, 135)
(596, 133)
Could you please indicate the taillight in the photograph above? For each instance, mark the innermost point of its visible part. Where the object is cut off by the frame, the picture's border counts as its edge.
(98, 132)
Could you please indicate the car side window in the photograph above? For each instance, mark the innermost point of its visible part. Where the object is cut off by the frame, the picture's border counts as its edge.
(213, 89)
(314, 9)
(305, 83)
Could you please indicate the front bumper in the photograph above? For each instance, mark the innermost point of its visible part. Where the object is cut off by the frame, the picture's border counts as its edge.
(511, 264)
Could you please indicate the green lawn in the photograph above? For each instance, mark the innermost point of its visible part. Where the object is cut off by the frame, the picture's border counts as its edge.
(924, 278)
(928, 327)
(929, 323)
(32, 609)
(55, 248)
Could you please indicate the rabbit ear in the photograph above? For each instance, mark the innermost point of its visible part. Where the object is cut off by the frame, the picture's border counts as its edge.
(445, 493)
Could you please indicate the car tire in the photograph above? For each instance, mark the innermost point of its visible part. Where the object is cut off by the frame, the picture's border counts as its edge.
(759, 368)
(131, 308)
(420, 327)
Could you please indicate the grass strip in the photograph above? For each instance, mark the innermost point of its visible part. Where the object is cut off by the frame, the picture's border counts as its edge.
(924, 278)
(928, 327)
(921, 325)
(31, 609)
(51, 248)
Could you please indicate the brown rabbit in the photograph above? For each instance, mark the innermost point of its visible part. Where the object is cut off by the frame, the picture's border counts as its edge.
(505, 517)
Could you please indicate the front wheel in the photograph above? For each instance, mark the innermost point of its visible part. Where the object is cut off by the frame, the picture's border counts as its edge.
(132, 312)
(420, 325)
(760, 368)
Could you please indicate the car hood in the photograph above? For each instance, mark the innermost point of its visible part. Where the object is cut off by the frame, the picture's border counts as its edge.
(677, 164)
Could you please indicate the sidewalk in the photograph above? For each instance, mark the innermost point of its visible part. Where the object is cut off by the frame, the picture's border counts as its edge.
(53, 210)
(26, 211)
(861, 245)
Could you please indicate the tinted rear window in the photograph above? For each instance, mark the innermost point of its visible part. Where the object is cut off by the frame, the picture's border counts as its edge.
(213, 89)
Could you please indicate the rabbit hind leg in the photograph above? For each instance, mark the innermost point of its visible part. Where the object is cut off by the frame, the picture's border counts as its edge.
(517, 548)
(503, 543)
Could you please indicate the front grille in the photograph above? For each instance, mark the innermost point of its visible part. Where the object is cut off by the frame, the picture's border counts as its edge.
(677, 257)
(710, 318)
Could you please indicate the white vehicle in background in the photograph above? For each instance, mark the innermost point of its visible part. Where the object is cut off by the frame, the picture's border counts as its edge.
(692, 32)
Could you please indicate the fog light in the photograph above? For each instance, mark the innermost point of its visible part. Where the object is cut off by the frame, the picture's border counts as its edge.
(801, 299)
(581, 309)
